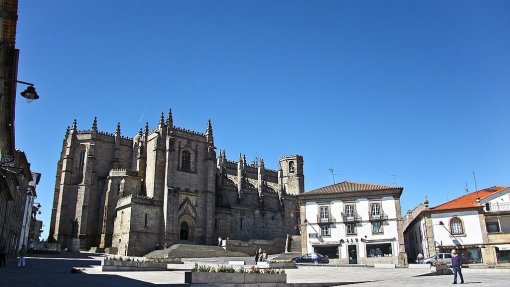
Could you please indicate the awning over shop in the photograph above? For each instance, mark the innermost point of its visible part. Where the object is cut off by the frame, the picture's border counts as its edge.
(503, 247)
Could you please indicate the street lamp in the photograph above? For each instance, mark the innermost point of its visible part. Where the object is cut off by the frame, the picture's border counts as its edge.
(29, 93)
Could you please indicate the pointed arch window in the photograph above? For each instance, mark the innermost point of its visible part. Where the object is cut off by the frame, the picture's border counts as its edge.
(456, 226)
(186, 160)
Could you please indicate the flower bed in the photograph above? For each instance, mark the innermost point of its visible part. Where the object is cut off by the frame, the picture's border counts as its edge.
(228, 275)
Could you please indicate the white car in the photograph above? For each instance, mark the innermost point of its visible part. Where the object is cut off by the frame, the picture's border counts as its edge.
(440, 257)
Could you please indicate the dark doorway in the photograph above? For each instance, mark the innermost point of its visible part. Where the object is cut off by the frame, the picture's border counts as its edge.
(184, 235)
(353, 254)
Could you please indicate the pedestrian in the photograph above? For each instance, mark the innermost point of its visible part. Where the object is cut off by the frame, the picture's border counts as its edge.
(420, 258)
(457, 266)
(219, 241)
(264, 256)
(3, 253)
(257, 254)
(22, 253)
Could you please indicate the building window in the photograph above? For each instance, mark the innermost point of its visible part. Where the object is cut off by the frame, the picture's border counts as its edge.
(503, 256)
(146, 219)
(324, 213)
(456, 226)
(241, 223)
(81, 164)
(375, 209)
(349, 210)
(379, 250)
(350, 228)
(186, 160)
(377, 227)
(291, 166)
(325, 230)
(493, 227)
(121, 218)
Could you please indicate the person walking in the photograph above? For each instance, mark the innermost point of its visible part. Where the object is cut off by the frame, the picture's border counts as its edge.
(420, 258)
(219, 241)
(3, 253)
(457, 266)
(22, 253)
(257, 254)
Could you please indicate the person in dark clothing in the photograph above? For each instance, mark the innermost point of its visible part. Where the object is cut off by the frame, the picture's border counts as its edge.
(457, 266)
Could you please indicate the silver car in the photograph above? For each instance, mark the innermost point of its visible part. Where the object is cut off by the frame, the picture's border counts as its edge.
(440, 257)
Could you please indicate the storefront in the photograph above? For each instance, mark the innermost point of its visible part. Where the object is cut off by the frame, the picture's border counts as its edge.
(503, 253)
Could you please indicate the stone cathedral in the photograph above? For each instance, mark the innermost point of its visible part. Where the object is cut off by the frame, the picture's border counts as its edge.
(167, 186)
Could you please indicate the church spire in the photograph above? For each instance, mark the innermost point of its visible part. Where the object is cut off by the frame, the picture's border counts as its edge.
(74, 126)
(170, 119)
(117, 131)
(161, 120)
(146, 128)
(94, 124)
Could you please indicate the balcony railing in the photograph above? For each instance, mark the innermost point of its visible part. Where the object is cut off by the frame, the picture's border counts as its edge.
(497, 207)
(354, 217)
(378, 217)
(329, 219)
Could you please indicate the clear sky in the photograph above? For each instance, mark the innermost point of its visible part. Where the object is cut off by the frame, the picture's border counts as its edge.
(408, 92)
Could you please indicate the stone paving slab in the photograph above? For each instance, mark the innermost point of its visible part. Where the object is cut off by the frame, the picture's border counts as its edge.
(56, 271)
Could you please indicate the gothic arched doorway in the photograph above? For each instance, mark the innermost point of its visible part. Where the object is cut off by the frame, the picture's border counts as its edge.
(184, 234)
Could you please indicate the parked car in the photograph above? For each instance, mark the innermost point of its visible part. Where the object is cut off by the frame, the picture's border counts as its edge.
(440, 257)
(311, 258)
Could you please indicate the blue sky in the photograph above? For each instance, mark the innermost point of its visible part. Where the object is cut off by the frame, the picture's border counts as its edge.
(412, 92)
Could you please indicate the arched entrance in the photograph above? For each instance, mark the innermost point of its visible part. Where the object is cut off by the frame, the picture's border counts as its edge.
(184, 233)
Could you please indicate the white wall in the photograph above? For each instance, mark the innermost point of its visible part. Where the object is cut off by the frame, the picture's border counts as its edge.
(470, 222)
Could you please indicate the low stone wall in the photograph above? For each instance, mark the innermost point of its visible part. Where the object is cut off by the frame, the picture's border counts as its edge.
(250, 247)
(233, 278)
(121, 265)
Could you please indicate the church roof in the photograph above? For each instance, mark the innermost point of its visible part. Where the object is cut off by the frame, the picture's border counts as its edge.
(349, 186)
(469, 200)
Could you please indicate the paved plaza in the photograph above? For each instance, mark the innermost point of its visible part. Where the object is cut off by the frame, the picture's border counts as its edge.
(56, 271)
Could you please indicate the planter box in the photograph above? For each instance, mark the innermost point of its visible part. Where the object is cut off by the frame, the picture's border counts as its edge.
(282, 265)
(233, 278)
(441, 270)
(117, 265)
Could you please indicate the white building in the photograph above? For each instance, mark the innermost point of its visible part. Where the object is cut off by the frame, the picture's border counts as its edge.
(478, 224)
(353, 223)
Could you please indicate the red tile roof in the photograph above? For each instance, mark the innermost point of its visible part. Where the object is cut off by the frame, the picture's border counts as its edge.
(349, 186)
(469, 200)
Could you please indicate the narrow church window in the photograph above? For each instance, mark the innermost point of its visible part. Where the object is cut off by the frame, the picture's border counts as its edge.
(146, 217)
(291, 166)
(186, 160)
(121, 217)
(241, 223)
(81, 164)
(118, 188)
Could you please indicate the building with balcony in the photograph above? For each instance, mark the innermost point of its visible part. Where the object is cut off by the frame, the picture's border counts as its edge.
(353, 223)
(477, 224)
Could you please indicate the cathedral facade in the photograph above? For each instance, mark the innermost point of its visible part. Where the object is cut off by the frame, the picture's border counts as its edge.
(167, 186)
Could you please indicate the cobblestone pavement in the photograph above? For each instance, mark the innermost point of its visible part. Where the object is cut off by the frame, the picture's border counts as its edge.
(56, 271)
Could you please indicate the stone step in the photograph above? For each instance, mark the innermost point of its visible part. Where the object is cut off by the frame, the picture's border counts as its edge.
(193, 251)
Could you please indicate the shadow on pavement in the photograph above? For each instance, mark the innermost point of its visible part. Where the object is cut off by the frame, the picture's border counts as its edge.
(56, 271)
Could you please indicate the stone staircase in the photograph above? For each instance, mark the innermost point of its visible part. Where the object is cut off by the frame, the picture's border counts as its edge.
(294, 250)
(295, 244)
(193, 251)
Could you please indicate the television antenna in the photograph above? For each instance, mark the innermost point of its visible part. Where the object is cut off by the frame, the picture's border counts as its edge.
(332, 172)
